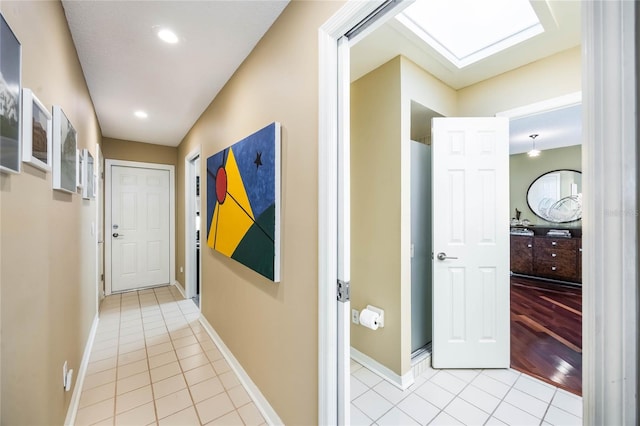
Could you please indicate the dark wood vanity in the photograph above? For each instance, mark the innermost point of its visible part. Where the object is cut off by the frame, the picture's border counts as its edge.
(551, 258)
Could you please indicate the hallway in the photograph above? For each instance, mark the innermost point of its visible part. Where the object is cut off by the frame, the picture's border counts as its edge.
(152, 362)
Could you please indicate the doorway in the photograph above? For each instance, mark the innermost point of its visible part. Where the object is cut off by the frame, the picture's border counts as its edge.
(139, 225)
(608, 305)
(546, 293)
(192, 226)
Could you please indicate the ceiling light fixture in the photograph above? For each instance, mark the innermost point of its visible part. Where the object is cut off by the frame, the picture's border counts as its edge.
(533, 152)
(141, 114)
(167, 36)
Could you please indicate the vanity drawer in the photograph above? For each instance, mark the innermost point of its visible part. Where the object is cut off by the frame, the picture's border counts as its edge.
(563, 269)
(555, 254)
(556, 243)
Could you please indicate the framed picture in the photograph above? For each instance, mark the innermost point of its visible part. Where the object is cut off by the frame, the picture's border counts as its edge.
(10, 100)
(36, 132)
(88, 186)
(65, 167)
(243, 202)
(79, 168)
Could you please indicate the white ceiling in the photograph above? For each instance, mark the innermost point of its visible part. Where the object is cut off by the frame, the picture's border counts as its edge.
(561, 20)
(127, 68)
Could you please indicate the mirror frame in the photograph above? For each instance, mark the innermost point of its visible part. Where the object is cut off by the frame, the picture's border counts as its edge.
(535, 180)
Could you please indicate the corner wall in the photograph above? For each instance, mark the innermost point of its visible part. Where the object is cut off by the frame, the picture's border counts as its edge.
(272, 329)
(48, 253)
(375, 211)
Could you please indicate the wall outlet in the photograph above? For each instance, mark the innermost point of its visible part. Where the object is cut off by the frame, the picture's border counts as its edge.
(355, 316)
(68, 380)
(181, 269)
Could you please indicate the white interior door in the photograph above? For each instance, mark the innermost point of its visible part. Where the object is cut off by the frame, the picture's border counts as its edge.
(139, 228)
(471, 243)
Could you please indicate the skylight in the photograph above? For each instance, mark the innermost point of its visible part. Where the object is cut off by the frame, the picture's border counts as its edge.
(466, 31)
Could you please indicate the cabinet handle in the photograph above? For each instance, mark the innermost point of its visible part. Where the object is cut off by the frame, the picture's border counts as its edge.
(554, 243)
(553, 255)
(529, 246)
(553, 268)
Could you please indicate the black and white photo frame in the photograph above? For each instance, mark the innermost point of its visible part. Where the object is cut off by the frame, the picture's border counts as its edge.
(88, 176)
(36, 132)
(10, 99)
(65, 167)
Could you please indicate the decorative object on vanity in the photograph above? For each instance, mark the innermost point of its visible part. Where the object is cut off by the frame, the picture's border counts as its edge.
(10, 100)
(243, 201)
(521, 231)
(556, 196)
(65, 154)
(36, 132)
(562, 233)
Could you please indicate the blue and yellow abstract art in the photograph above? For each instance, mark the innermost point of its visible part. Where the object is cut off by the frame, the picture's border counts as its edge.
(243, 201)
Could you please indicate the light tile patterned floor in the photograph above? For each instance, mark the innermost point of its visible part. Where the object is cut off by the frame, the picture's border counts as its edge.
(152, 363)
(461, 397)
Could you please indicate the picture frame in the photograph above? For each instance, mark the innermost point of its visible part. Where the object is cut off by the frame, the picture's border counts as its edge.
(88, 176)
(79, 168)
(65, 154)
(36, 132)
(10, 99)
(243, 201)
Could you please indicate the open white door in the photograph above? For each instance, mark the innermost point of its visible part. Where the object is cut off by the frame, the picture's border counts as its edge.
(471, 243)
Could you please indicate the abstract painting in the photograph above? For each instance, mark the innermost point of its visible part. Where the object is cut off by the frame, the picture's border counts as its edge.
(243, 201)
(10, 100)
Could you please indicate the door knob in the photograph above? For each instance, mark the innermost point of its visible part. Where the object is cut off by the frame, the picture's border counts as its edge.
(443, 256)
(116, 235)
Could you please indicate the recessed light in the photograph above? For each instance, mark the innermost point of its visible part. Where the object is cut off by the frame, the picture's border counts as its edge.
(168, 36)
(140, 114)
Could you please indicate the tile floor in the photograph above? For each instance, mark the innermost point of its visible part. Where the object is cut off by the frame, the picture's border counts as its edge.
(461, 397)
(152, 363)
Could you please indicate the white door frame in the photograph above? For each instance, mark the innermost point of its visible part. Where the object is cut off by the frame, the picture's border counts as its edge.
(107, 219)
(610, 323)
(98, 227)
(189, 212)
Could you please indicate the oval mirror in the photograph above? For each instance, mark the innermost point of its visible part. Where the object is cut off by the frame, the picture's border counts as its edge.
(556, 196)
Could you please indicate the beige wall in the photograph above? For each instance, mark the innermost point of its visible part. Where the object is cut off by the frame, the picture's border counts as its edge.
(523, 170)
(47, 262)
(271, 328)
(117, 149)
(375, 210)
(548, 78)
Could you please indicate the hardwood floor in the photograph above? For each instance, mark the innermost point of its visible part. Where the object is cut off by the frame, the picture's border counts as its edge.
(546, 332)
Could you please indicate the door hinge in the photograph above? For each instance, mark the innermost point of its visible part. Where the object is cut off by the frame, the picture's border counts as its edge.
(101, 277)
(344, 291)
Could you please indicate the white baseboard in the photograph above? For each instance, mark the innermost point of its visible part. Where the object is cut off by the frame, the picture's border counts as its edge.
(401, 382)
(261, 402)
(82, 372)
(177, 285)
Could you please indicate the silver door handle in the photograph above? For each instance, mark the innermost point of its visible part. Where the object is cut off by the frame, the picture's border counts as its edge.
(116, 235)
(443, 256)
